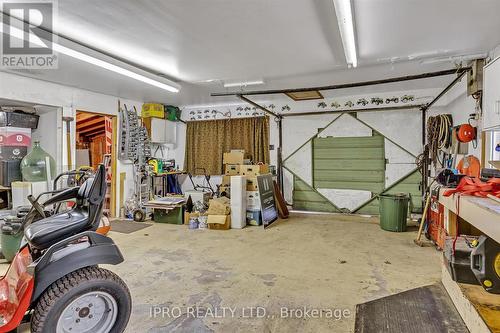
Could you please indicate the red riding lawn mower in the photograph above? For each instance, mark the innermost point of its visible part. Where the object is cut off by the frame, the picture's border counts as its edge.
(54, 281)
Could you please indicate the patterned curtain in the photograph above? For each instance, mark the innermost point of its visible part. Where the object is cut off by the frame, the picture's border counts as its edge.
(207, 141)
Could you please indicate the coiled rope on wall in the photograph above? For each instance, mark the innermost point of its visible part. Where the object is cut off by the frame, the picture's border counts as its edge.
(438, 135)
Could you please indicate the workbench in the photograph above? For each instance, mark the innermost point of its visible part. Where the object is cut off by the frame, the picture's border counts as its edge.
(479, 309)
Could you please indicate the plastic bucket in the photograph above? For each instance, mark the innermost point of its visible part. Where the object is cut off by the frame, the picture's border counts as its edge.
(393, 211)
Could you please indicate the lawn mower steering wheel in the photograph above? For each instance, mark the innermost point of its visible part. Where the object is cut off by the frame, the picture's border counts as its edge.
(36, 205)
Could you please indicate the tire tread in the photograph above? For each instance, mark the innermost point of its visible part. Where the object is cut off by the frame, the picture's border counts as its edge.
(57, 289)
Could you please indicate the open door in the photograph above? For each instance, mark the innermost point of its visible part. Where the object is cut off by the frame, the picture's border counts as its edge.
(94, 145)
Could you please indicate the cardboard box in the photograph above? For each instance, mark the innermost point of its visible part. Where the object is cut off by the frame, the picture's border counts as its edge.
(219, 222)
(226, 180)
(225, 189)
(188, 215)
(219, 206)
(254, 217)
(232, 169)
(253, 200)
(233, 158)
(155, 110)
(252, 184)
(254, 170)
(238, 151)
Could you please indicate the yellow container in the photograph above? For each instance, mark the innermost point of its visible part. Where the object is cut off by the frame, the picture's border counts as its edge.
(155, 110)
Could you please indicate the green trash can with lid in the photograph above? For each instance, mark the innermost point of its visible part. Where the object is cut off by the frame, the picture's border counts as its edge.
(393, 210)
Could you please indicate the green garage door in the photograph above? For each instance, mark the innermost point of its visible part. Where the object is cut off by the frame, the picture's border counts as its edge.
(354, 163)
(308, 199)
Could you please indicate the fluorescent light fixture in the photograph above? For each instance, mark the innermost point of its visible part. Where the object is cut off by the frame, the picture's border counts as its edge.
(242, 84)
(117, 69)
(17, 33)
(343, 9)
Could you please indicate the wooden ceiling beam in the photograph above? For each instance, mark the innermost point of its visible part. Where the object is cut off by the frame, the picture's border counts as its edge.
(90, 129)
(89, 124)
(82, 116)
(93, 133)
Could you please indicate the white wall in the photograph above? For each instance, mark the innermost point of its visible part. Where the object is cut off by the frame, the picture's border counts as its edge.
(69, 99)
(49, 131)
(402, 127)
(460, 106)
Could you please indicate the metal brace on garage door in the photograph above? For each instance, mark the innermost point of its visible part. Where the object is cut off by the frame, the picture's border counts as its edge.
(356, 163)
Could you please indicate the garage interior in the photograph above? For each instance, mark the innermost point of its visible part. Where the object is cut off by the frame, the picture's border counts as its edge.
(259, 166)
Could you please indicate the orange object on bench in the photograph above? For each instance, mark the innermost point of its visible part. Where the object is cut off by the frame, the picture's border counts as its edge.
(476, 187)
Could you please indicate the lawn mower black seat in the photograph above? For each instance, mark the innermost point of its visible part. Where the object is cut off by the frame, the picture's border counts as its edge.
(85, 216)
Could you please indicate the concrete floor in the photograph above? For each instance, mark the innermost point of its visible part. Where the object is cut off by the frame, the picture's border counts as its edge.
(254, 280)
(323, 262)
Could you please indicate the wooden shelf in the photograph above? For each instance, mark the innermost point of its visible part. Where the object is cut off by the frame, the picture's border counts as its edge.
(482, 213)
(478, 308)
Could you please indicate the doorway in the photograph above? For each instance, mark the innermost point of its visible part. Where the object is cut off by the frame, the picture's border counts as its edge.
(95, 144)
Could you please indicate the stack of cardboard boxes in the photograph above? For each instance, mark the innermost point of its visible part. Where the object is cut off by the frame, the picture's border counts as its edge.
(219, 214)
(237, 164)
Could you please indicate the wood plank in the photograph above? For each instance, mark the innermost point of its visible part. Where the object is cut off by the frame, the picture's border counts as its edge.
(314, 206)
(348, 142)
(89, 121)
(83, 115)
(376, 187)
(482, 213)
(123, 176)
(114, 161)
(370, 209)
(347, 153)
(301, 186)
(468, 305)
(406, 188)
(310, 196)
(348, 175)
(350, 164)
(90, 129)
(306, 198)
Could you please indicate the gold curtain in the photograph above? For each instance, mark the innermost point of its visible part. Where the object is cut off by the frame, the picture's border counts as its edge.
(207, 141)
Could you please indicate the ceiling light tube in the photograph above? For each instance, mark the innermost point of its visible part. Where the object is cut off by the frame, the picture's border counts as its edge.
(172, 87)
(243, 84)
(343, 9)
(117, 69)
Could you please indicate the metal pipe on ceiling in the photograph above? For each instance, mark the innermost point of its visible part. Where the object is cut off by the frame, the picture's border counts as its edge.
(386, 108)
(347, 85)
(249, 101)
(448, 87)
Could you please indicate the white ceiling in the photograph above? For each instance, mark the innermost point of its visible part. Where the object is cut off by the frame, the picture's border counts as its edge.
(392, 29)
(285, 43)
